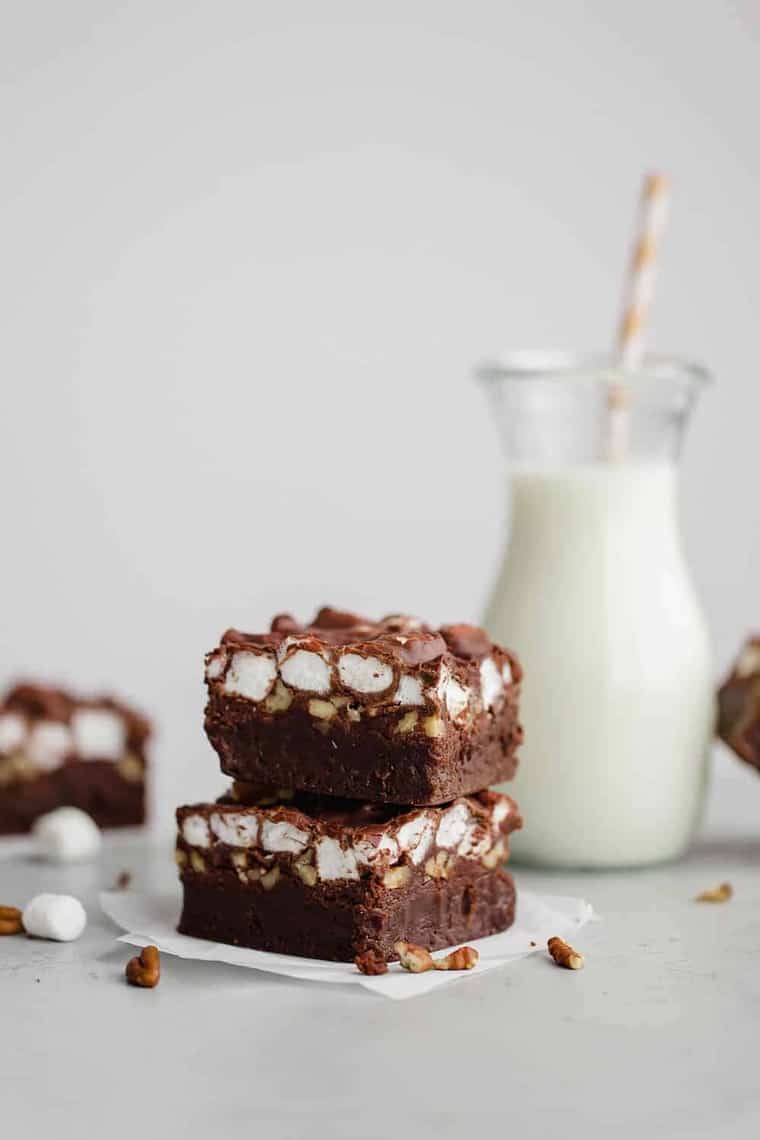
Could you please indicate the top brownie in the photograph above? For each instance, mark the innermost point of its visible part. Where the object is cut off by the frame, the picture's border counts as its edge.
(389, 711)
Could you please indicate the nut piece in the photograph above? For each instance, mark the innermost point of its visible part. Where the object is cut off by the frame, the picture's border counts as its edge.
(564, 954)
(416, 959)
(10, 920)
(130, 769)
(321, 710)
(462, 959)
(280, 700)
(407, 722)
(495, 856)
(434, 726)
(123, 881)
(197, 862)
(270, 878)
(180, 857)
(396, 877)
(145, 970)
(437, 867)
(307, 873)
(371, 963)
(716, 894)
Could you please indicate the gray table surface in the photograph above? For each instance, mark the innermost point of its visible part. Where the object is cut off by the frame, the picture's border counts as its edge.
(660, 1032)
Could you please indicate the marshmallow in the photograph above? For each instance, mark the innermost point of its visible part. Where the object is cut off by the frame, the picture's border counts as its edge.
(60, 917)
(306, 670)
(416, 837)
(492, 684)
(48, 744)
(12, 731)
(364, 674)
(453, 825)
(99, 734)
(499, 813)
(216, 663)
(367, 852)
(455, 695)
(279, 835)
(250, 675)
(195, 831)
(335, 863)
(238, 829)
(409, 691)
(66, 835)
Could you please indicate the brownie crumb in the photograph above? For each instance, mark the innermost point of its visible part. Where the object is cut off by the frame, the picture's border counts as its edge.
(371, 963)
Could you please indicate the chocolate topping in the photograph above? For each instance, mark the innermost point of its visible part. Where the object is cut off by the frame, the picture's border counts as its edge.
(46, 702)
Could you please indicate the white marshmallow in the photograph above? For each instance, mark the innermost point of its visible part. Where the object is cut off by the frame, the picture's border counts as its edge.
(48, 744)
(364, 674)
(456, 696)
(492, 684)
(500, 812)
(306, 670)
(453, 825)
(416, 837)
(216, 663)
(66, 835)
(367, 852)
(250, 675)
(472, 846)
(749, 661)
(99, 734)
(279, 835)
(238, 829)
(12, 731)
(195, 831)
(60, 917)
(335, 863)
(409, 691)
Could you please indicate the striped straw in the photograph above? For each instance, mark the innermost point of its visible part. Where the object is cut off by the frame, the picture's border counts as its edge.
(640, 283)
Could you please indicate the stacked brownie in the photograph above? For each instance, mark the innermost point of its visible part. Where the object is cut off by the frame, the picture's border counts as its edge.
(359, 753)
(57, 749)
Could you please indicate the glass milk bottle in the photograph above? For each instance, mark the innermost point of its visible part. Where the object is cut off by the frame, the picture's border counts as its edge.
(596, 599)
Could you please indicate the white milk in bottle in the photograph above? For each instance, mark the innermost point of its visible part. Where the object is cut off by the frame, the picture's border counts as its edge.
(596, 599)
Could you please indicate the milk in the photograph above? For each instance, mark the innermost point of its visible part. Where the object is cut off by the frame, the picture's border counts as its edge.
(618, 696)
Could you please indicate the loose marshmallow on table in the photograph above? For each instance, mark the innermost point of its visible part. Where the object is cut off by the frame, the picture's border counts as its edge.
(66, 835)
(61, 918)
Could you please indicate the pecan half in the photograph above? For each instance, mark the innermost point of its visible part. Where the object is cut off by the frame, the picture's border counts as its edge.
(10, 920)
(145, 969)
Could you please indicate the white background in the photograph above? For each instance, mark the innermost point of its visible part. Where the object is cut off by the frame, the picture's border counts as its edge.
(250, 253)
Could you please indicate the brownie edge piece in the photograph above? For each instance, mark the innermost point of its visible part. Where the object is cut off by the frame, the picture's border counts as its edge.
(326, 881)
(390, 711)
(739, 705)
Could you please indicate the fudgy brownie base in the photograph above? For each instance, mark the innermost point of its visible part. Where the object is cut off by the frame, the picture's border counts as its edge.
(338, 921)
(372, 764)
(95, 786)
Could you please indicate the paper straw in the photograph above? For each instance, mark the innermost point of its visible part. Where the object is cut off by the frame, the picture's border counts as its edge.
(639, 291)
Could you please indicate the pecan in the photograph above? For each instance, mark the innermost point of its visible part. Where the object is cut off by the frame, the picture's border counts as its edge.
(145, 969)
(716, 894)
(123, 881)
(462, 959)
(564, 955)
(371, 963)
(10, 920)
(416, 959)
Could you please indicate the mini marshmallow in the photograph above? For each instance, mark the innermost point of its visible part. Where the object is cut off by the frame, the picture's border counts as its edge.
(307, 671)
(12, 731)
(506, 673)
(456, 696)
(335, 863)
(216, 664)
(238, 829)
(195, 831)
(475, 841)
(492, 685)
(364, 674)
(453, 825)
(48, 744)
(415, 836)
(251, 675)
(66, 835)
(409, 691)
(367, 852)
(499, 813)
(99, 734)
(59, 917)
(279, 835)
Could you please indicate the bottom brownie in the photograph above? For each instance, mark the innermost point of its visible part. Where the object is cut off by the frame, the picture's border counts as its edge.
(338, 921)
(332, 879)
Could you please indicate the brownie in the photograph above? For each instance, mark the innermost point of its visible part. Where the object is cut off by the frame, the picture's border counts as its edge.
(331, 879)
(57, 749)
(739, 704)
(390, 711)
